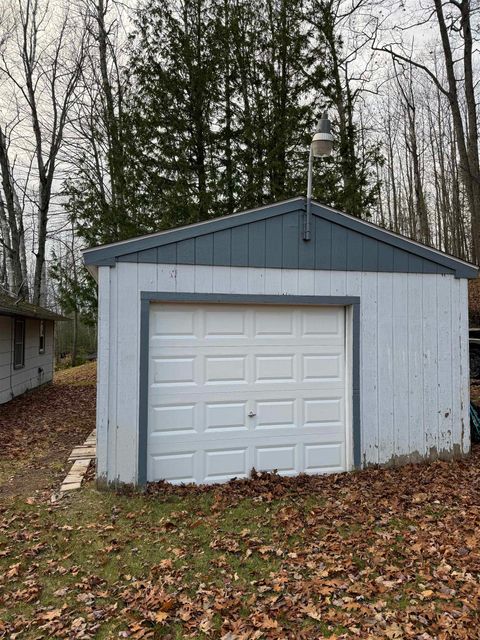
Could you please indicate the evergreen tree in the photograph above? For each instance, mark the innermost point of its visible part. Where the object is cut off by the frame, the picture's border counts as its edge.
(214, 113)
(174, 92)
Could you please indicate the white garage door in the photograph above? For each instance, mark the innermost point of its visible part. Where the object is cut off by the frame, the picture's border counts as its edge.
(233, 387)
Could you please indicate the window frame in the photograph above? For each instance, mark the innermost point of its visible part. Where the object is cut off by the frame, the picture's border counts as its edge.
(41, 337)
(17, 332)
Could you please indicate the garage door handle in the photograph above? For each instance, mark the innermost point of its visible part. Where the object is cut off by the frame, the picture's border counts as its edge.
(251, 414)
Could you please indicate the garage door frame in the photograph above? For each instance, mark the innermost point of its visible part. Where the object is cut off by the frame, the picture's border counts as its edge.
(352, 347)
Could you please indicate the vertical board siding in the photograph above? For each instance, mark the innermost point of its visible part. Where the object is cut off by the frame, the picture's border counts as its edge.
(306, 250)
(323, 244)
(370, 254)
(273, 242)
(203, 279)
(385, 366)
(185, 251)
(416, 443)
(400, 369)
(127, 366)
(277, 242)
(291, 232)
(220, 280)
(409, 323)
(464, 366)
(289, 282)
(222, 246)
(273, 281)
(430, 361)
(167, 253)
(354, 251)
(445, 396)
(368, 369)
(457, 302)
(204, 249)
(256, 244)
(103, 377)
(339, 247)
(239, 244)
(338, 283)
(116, 383)
(385, 257)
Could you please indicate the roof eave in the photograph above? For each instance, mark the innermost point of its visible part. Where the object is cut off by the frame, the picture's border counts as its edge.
(461, 268)
(16, 313)
(107, 255)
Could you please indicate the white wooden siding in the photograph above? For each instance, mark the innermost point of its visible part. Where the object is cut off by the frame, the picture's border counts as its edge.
(414, 352)
(14, 382)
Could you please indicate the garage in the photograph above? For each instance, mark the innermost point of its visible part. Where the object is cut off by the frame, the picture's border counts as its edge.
(236, 387)
(244, 343)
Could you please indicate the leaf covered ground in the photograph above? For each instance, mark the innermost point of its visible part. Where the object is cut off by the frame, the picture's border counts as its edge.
(375, 554)
(39, 429)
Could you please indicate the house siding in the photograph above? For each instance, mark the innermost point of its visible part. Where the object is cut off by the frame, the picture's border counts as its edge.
(414, 389)
(14, 382)
(277, 242)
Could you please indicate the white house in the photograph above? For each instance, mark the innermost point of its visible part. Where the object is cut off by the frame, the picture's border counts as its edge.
(236, 343)
(26, 346)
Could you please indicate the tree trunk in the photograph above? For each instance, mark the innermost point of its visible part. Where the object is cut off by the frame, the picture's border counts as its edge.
(13, 237)
(467, 144)
(75, 338)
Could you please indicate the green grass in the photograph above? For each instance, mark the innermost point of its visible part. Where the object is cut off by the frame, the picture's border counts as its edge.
(116, 538)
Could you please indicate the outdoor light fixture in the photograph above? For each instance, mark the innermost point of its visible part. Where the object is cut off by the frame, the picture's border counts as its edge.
(321, 147)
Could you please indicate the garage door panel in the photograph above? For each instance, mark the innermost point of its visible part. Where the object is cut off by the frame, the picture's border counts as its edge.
(176, 467)
(173, 419)
(161, 440)
(171, 370)
(276, 414)
(330, 323)
(234, 391)
(177, 322)
(226, 416)
(222, 464)
(275, 368)
(324, 457)
(225, 323)
(318, 411)
(188, 323)
(230, 412)
(224, 369)
(200, 461)
(273, 322)
(283, 458)
(322, 367)
(227, 367)
(233, 387)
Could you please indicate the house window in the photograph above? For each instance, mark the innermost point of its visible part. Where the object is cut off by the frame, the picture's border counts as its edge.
(41, 340)
(19, 344)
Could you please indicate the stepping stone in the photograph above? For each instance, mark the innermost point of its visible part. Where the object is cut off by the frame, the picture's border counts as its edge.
(81, 457)
(70, 487)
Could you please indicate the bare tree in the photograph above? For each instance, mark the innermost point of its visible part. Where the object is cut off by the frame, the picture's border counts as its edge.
(11, 225)
(419, 212)
(454, 22)
(44, 70)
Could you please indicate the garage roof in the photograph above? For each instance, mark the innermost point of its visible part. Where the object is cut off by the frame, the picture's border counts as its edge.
(271, 236)
(12, 307)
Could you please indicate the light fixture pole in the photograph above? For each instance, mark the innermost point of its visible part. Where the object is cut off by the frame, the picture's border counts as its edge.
(320, 147)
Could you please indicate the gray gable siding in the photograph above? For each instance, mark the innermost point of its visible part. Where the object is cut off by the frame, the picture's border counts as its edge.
(271, 236)
(276, 242)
